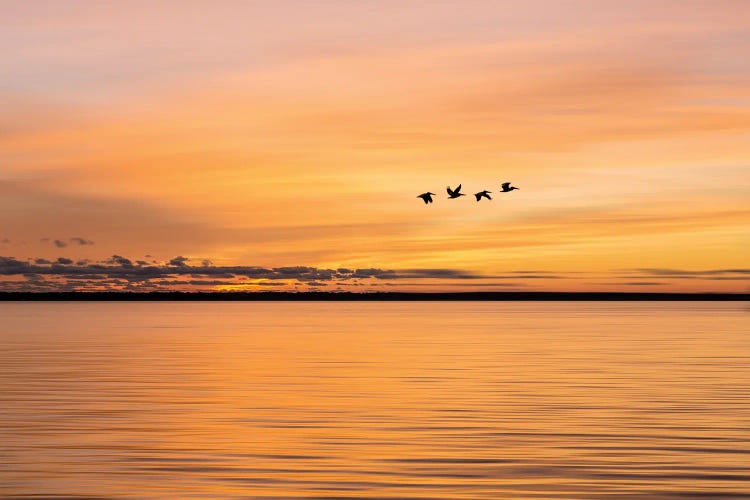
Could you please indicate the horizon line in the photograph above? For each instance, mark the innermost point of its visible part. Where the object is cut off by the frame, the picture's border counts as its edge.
(333, 296)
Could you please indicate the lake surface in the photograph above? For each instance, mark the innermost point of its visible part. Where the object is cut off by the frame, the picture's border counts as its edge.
(375, 400)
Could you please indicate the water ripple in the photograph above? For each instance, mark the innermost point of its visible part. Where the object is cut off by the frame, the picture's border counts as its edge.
(379, 401)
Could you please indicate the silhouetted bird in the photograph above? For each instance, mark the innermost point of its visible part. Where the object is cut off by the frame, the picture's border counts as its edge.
(427, 197)
(506, 187)
(455, 193)
(483, 194)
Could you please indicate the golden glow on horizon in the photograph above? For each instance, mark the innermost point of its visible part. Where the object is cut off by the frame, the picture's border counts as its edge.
(254, 286)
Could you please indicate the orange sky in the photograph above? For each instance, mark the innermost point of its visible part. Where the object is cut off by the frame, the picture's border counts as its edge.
(280, 134)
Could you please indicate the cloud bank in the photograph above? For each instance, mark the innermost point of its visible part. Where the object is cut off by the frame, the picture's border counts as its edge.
(121, 273)
(182, 273)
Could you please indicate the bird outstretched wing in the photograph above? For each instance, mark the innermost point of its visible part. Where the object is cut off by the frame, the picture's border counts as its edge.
(450, 191)
(458, 189)
(478, 195)
(506, 185)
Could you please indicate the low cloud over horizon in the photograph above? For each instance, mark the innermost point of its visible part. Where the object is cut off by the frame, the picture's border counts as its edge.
(119, 273)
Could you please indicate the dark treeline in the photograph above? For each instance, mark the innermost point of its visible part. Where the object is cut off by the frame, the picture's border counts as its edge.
(371, 296)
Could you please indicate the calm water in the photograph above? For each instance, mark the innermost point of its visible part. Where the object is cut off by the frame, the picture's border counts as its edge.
(375, 400)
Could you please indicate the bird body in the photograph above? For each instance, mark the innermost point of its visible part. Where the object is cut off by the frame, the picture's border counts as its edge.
(454, 193)
(483, 194)
(426, 197)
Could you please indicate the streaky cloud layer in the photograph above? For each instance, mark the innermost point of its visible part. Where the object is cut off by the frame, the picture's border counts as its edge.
(120, 273)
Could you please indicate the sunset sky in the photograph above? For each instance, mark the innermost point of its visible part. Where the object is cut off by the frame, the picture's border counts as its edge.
(150, 145)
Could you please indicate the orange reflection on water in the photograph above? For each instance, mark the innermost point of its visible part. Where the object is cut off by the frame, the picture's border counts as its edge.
(375, 400)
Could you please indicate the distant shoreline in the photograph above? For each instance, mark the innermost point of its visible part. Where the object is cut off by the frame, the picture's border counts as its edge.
(365, 297)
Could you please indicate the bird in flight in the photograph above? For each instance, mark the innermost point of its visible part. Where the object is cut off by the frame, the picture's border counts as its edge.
(454, 193)
(426, 197)
(483, 194)
(507, 187)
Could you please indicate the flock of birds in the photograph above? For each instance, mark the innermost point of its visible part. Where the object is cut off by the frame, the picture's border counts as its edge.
(456, 193)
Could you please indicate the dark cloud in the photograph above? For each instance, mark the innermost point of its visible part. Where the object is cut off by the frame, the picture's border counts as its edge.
(10, 266)
(438, 273)
(120, 261)
(179, 261)
(81, 241)
(77, 240)
(317, 283)
(372, 273)
(121, 272)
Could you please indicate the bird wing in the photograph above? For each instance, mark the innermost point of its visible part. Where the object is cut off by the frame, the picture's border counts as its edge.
(487, 195)
(478, 195)
(458, 189)
(506, 185)
(450, 191)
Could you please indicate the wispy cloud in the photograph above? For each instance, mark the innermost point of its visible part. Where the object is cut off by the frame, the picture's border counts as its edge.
(718, 274)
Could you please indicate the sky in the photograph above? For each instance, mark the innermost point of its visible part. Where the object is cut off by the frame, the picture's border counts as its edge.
(241, 145)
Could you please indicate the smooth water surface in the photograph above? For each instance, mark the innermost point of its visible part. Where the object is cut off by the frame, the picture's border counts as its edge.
(375, 400)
